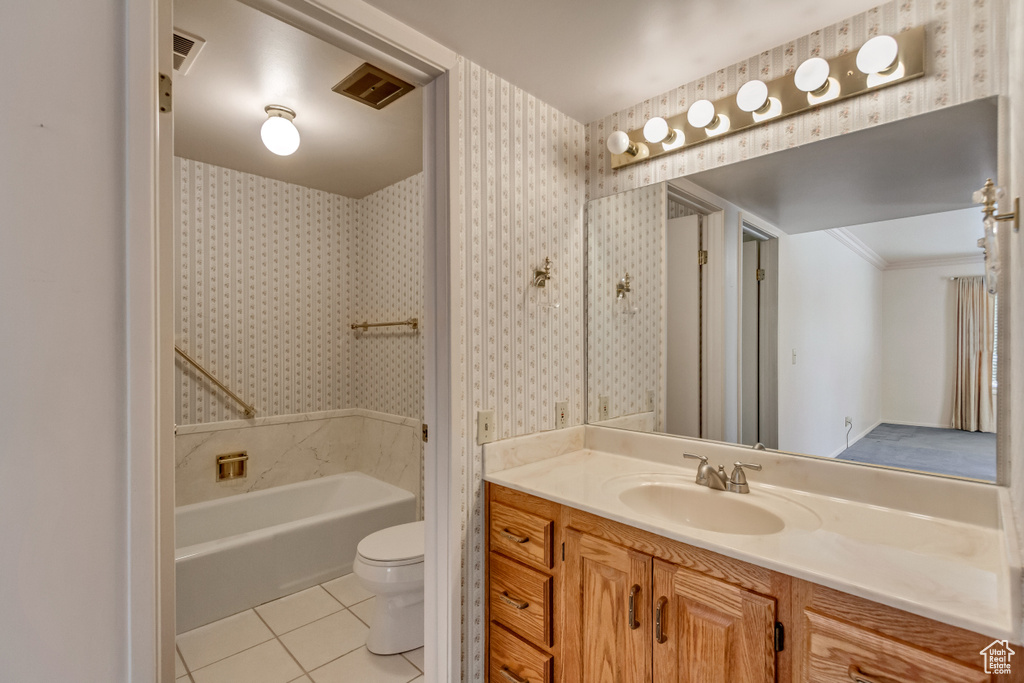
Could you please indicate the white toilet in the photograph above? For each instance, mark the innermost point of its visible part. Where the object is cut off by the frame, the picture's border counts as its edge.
(389, 563)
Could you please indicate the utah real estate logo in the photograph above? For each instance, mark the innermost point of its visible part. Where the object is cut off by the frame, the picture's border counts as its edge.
(997, 657)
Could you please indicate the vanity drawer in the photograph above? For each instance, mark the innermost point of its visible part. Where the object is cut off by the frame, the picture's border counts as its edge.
(838, 652)
(521, 535)
(514, 660)
(520, 598)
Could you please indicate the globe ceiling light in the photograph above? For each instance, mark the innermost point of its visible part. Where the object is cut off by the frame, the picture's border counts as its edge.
(701, 114)
(657, 130)
(880, 55)
(279, 134)
(753, 96)
(619, 143)
(812, 76)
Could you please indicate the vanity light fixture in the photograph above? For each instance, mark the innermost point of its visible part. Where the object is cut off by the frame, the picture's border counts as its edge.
(542, 275)
(543, 293)
(622, 288)
(989, 195)
(279, 134)
(883, 61)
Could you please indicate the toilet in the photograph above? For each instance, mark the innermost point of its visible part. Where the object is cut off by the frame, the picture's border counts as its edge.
(389, 563)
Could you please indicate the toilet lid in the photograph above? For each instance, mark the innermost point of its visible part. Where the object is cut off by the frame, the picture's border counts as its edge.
(397, 544)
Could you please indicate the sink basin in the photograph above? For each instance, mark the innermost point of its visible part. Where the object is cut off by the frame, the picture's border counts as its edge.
(679, 500)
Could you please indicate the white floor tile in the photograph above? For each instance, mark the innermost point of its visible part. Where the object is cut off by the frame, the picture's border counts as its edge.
(207, 644)
(416, 657)
(347, 590)
(329, 638)
(179, 666)
(298, 609)
(361, 665)
(364, 610)
(266, 663)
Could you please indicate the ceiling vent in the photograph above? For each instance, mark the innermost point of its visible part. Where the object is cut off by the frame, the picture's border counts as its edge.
(186, 48)
(372, 86)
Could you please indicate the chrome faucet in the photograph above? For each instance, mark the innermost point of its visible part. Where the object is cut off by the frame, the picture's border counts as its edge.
(708, 476)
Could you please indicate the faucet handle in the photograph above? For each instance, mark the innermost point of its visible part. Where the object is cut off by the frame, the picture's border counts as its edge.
(702, 477)
(738, 480)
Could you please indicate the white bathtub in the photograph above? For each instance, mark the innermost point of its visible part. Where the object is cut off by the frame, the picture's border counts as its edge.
(241, 551)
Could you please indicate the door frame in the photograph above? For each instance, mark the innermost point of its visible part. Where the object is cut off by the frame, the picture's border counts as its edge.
(149, 280)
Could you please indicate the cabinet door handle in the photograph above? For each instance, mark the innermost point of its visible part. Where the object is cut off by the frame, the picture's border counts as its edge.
(512, 601)
(512, 537)
(509, 676)
(858, 676)
(659, 623)
(633, 592)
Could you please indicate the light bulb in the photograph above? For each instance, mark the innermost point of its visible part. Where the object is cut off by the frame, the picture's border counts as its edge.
(279, 134)
(773, 109)
(619, 143)
(701, 114)
(753, 96)
(656, 129)
(887, 76)
(878, 55)
(812, 75)
(721, 125)
(829, 91)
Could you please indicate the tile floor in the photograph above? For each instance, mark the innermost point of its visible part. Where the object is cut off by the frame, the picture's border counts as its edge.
(317, 635)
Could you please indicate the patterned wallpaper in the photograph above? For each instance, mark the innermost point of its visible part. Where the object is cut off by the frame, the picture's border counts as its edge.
(264, 294)
(518, 186)
(271, 275)
(965, 60)
(387, 260)
(626, 232)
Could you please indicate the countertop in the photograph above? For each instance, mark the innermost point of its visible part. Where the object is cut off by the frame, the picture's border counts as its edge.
(953, 571)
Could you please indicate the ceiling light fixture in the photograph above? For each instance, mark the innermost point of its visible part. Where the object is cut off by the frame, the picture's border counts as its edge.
(279, 134)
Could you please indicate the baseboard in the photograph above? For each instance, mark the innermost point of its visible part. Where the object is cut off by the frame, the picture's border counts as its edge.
(855, 439)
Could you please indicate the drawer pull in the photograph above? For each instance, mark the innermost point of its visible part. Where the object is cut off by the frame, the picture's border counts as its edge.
(509, 676)
(633, 592)
(512, 601)
(659, 623)
(858, 676)
(512, 537)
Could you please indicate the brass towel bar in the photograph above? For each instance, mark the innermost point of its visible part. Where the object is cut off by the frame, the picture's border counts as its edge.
(414, 323)
(249, 410)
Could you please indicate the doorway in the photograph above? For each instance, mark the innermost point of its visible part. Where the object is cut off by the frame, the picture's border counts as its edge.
(759, 305)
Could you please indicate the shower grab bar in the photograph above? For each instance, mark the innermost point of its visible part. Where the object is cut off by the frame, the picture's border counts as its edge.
(249, 410)
(414, 323)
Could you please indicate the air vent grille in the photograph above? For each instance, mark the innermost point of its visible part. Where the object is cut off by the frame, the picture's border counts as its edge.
(186, 48)
(373, 86)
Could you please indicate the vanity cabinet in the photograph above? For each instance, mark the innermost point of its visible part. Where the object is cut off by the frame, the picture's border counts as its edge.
(577, 598)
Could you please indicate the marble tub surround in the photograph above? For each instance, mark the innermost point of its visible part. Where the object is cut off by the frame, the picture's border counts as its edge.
(289, 449)
(960, 567)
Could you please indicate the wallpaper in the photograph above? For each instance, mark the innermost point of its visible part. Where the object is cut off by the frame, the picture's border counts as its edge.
(387, 260)
(965, 60)
(518, 194)
(272, 275)
(264, 294)
(626, 232)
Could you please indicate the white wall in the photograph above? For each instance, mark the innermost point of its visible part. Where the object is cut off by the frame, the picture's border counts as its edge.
(830, 313)
(63, 455)
(919, 343)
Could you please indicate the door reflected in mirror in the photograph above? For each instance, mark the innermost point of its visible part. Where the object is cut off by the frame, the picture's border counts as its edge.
(825, 300)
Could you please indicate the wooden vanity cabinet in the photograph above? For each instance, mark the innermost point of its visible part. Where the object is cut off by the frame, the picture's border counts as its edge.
(696, 616)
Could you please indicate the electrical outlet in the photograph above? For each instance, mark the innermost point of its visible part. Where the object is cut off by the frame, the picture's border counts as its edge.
(603, 410)
(650, 401)
(849, 421)
(484, 426)
(561, 415)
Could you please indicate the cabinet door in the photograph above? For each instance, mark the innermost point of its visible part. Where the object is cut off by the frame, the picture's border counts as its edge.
(710, 631)
(605, 641)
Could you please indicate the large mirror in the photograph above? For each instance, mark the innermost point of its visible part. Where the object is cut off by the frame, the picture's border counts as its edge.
(825, 300)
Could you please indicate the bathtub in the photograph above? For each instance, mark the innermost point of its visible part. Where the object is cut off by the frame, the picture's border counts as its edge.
(241, 551)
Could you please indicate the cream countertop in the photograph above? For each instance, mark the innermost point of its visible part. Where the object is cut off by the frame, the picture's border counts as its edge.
(957, 571)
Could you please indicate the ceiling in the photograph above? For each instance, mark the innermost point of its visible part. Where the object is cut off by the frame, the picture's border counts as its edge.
(934, 237)
(590, 58)
(920, 165)
(251, 60)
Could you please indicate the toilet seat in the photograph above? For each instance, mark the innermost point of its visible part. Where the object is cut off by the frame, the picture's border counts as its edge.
(396, 546)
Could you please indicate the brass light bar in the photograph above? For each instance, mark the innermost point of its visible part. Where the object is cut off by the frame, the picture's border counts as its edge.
(843, 75)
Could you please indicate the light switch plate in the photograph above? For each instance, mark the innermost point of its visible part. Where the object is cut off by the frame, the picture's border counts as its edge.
(484, 427)
(603, 409)
(561, 414)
